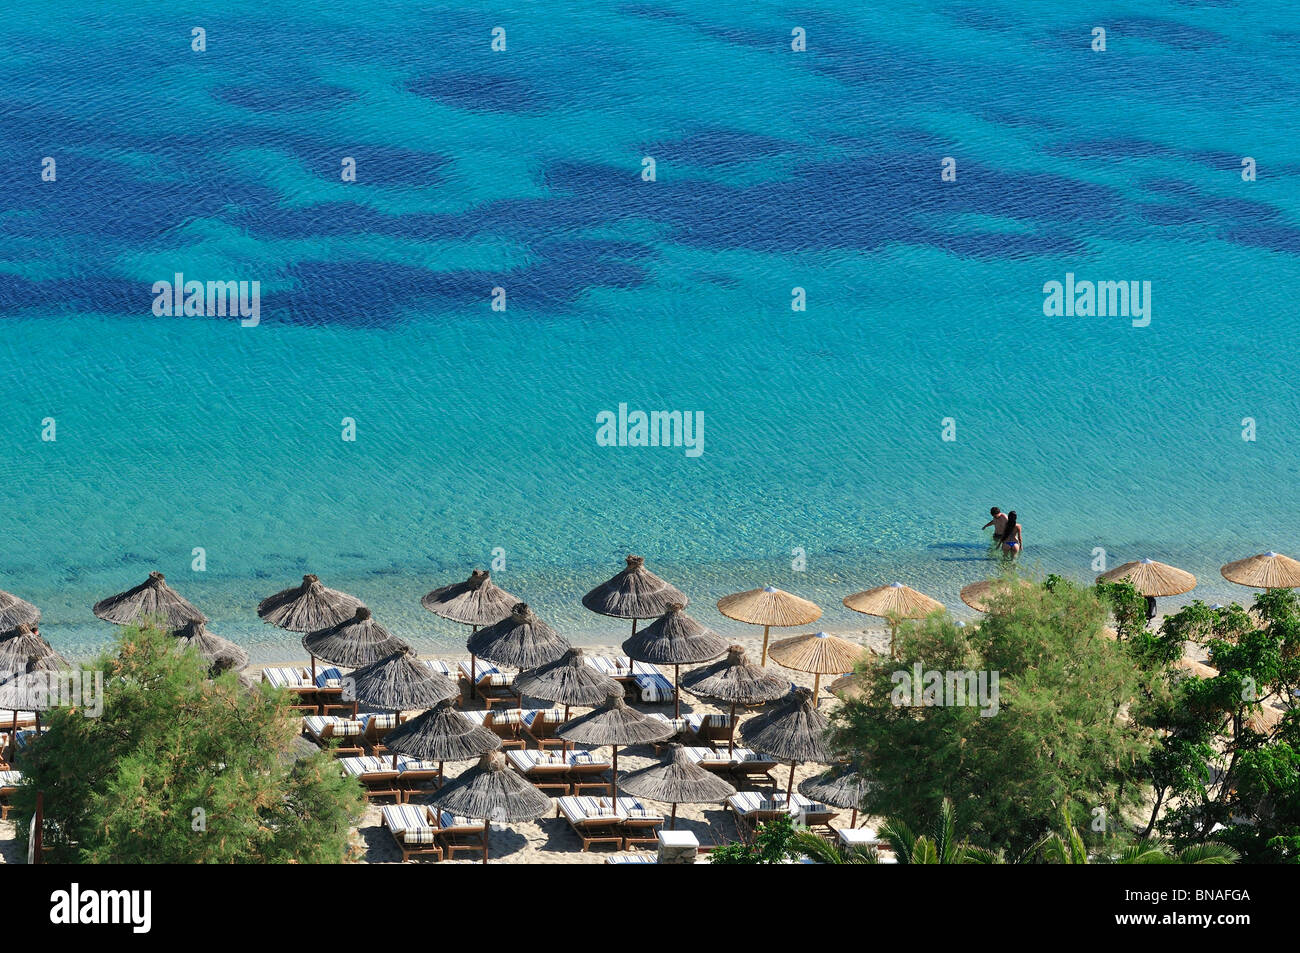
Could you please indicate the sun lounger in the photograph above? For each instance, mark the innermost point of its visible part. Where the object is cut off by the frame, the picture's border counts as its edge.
(329, 691)
(710, 728)
(298, 682)
(438, 667)
(561, 774)
(633, 859)
(539, 724)
(9, 781)
(596, 820)
(744, 765)
(377, 776)
(414, 775)
(649, 685)
(458, 833)
(641, 823)
(323, 729)
(495, 686)
(752, 808)
(412, 830)
(377, 725)
(502, 722)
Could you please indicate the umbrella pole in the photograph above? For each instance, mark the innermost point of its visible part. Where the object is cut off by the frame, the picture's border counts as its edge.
(472, 694)
(853, 821)
(731, 731)
(893, 630)
(487, 839)
(313, 670)
(766, 629)
(564, 744)
(672, 824)
(789, 786)
(817, 689)
(677, 691)
(614, 799)
(633, 634)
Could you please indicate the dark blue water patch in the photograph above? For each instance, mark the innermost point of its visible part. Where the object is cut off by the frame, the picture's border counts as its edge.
(285, 99)
(481, 92)
(1276, 238)
(1170, 33)
(721, 147)
(106, 293)
(1174, 187)
(980, 18)
(375, 164)
(1216, 159)
(1165, 214)
(1113, 149)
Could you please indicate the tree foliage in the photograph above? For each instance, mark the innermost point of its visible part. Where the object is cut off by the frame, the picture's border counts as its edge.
(182, 769)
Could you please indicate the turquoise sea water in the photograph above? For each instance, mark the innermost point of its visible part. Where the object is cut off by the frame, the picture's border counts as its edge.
(522, 169)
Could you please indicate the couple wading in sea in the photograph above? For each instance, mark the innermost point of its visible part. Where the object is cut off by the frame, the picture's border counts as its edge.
(1006, 532)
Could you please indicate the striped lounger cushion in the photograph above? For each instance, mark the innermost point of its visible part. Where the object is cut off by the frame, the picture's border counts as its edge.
(380, 721)
(411, 822)
(654, 688)
(578, 809)
(450, 821)
(359, 767)
(329, 678)
(477, 716)
(437, 666)
(10, 779)
(486, 673)
(633, 808)
(284, 677)
(549, 716)
(633, 859)
(509, 716)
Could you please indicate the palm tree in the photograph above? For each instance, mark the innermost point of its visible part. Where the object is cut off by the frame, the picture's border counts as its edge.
(941, 846)
(1068, 848)
(817, 848)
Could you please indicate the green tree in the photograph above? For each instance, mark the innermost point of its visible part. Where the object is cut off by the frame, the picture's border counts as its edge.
(179, 768)
(1063, 727)
(773, 843)
(940, 846)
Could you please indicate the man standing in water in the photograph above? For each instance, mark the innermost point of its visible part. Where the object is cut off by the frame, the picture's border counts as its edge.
(999, 524)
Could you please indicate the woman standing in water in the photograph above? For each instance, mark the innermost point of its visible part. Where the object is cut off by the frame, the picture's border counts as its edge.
(1011, 539)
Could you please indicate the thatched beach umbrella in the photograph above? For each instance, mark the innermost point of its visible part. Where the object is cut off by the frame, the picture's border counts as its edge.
(736, 681)
(222, 654)
(679, 780)
(840, 786)
(354, 642)
(1152, 579)
(675, 639)
(308, 607)
(847, 688)
(793, 731)
(152, 599)
(1265, 571)
(567, 681)
(23, 644)
(893, 602)
(634, 593)
(477, 601)
(769, 606)
(978, 595)
(491, 791)
(15, 612)
(614, 724)
(396, 683)
(442, 734)
(819, 654)
(33, 688)
(520, 640)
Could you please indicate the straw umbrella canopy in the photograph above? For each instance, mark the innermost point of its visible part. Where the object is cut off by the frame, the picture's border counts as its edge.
(736, 681)
(769, 607)
(396, 683)
(893, 602)
(476, 602)
(819, 653)
(491, 791)
(793, 731)
(614, 724)
(847, 688)
(152, 599)
(221, 653)
(308, 607)
(633, 593)
(1265, 571)
(442, 734)
(675, 639)
(567, 681)
(520, 640)
(32, 688)
(679, 780)
(1152, 579)
(840, 786)
(15, 612)
(21, 645)
(356, 641)
(979, 594)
